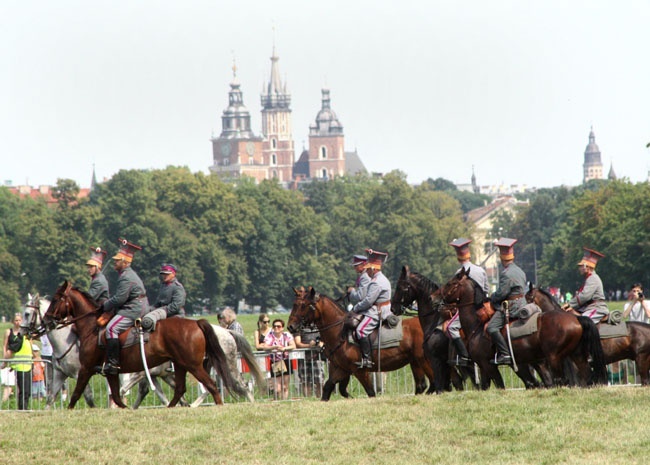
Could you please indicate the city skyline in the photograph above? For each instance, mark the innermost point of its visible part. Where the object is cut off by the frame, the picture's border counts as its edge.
(492, 87)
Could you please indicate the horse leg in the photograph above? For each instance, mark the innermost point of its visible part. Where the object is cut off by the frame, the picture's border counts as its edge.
(114, 383)
(159, 391)
(202, 377)
(643, 366)
(82, 381)
(58, 378)
(343, 387)
(364, 379)
(180, 375)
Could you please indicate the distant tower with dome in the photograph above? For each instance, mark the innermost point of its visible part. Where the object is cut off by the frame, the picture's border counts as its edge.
(593, 165)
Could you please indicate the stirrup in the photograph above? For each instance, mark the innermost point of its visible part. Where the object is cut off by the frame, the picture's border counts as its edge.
(502, 360)
(460, 361)
(107, 368)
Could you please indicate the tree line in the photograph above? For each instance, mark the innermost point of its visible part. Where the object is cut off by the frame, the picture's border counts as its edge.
(254, 242)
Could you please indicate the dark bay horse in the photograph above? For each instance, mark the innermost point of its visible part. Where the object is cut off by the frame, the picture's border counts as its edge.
(413, 287)
(185, 342)
(559, 336)
(635, 346)
(329, 317)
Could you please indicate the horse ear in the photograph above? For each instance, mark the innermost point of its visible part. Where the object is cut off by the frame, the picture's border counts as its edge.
(312, 292)
(405, 271)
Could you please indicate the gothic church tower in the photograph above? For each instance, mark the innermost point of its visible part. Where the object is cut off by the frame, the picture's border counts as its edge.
(593, 166)
(326, 140)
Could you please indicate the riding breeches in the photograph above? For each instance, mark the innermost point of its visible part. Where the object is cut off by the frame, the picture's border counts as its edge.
(117, 325)
(367, 326)
(453, 328)
(497, 322)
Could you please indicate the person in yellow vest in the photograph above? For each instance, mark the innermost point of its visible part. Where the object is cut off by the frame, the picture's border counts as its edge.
(21, 363)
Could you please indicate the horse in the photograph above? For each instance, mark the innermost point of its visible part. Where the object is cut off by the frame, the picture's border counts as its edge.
(412, 287)
(329, 317)
(559, 336)
(185, 342)
(635, 346)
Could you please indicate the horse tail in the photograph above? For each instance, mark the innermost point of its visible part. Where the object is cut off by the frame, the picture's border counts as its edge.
(216, 355)
(591, 342)
(247, 354)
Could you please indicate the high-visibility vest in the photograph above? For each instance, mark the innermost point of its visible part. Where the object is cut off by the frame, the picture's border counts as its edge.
(24, 355)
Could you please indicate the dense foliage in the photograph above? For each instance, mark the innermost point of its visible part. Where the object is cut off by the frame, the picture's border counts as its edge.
(255, 242)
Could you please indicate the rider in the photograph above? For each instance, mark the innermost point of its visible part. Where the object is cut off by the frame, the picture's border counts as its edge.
(98, 289)
(171, 298)
(358, 292)
(130, 301)
(512, 285)
(478, 274)
(374, 305)
(589, 300)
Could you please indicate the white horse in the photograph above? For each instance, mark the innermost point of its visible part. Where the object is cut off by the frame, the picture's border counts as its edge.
(66, 350)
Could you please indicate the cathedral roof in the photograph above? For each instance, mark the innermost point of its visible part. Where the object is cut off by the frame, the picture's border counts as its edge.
(327, 123)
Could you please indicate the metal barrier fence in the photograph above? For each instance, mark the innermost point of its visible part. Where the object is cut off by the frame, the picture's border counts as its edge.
(307, 371)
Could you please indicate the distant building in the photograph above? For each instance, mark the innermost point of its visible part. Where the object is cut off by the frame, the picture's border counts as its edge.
(237, 152)
(593, 166)
(42, 193)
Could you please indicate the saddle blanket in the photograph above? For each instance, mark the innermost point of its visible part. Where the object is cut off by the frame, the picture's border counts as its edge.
(390, 337)
(521, 328)
(608, 331)
(127, 338)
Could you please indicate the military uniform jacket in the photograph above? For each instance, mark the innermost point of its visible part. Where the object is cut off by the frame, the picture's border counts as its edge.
(171, 297)
(512, 283)
(377, 297)
(478, 274)
(98, 289)
(130, 298)
(590, 298)
(361, 285)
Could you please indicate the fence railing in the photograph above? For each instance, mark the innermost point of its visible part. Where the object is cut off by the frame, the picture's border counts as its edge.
(307, 371)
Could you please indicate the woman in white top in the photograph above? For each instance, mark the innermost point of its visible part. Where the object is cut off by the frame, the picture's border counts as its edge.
(637, 308)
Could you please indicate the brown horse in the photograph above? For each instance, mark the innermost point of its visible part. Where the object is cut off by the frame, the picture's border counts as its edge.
(635, 346)
(185, 342)
(413, 287)
(559, 336)
(329, 317)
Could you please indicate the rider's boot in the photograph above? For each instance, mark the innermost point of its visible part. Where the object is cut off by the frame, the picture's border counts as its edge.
(503, 354)
(463, 359)
(366, 353)
(112, 366)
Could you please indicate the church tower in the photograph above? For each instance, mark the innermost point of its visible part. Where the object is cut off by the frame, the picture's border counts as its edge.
(277, 131)
(326, 150)
(593, 166)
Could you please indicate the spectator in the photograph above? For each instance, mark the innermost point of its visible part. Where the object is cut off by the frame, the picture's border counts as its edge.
(310, 369)
(263, 328)
(637, 307)
(222, 320)
(38, 374)
(21, 363)
(279, 342)
(230, 319)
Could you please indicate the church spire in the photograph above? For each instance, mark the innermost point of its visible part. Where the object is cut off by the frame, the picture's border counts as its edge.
(274, 93)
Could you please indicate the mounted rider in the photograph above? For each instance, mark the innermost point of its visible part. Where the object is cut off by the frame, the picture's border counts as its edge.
(512, 289)
(130, 301)
(98, 289)
(374, 305)
(479, 275)
(589, 300)
(358, 292)
(171, 298)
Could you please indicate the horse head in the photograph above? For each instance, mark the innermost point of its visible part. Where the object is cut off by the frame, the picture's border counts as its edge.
(35, 307)
(302, 310)
(404, 294)
(60, 307)
(453, 291)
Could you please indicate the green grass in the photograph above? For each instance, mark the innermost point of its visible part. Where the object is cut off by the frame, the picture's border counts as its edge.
(557, 426)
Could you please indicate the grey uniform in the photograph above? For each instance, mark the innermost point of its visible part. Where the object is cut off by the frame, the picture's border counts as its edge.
(171, 298)
(479, 275)
(512, 285)
(130, 300)
(377, 298)
(361, 286)
(98, 289)
(590, 299)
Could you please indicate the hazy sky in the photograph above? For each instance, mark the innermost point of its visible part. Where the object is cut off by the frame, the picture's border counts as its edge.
(429, 87)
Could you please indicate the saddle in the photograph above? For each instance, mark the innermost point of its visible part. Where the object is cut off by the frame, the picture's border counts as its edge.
(127, 338)
(391, 331)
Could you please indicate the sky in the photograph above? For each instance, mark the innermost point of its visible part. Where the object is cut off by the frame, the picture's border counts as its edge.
(433, 88)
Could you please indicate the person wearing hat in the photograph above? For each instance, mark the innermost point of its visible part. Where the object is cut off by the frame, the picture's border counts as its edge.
(512, 287)
(589, 300)
(98, 289)
(38, 373)
(129, 301)
(171, 298)
(374, 305)
(479, 275)
(358, 292)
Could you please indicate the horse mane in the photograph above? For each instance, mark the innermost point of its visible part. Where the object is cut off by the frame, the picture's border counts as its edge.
(428, 286)
(334, 301)
(86, 295)
(550, 296)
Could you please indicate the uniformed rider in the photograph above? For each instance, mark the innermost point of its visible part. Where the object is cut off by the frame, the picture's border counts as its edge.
(171, 298)
(98, 289)
(512, 286)
(129, 301)
(589, 300)
(374, 305)
(476, 273)
(358, 292)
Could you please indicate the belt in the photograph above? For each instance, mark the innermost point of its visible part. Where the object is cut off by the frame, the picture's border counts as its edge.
(383, 304)
(515, 296)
